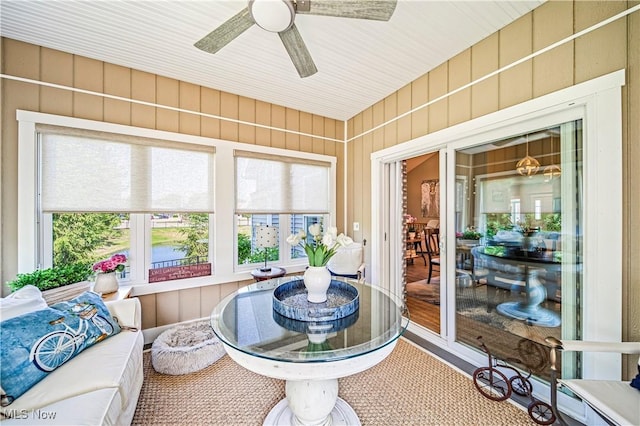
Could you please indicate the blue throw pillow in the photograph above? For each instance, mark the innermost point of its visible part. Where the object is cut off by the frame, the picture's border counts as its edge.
(636, 380)
(36, 343)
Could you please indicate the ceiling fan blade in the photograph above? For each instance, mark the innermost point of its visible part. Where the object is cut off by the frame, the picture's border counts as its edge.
(298, 52)
(225, 33)
(379, 10)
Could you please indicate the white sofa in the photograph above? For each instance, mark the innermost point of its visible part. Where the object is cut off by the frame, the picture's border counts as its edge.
(99, 386)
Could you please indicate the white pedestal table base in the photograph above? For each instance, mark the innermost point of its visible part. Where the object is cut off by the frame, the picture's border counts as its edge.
(341, 415)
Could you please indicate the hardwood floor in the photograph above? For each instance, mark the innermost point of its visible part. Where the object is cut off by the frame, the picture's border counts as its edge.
(421, 312)
(504, 344)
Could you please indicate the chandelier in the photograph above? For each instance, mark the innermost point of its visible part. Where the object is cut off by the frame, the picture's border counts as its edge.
(528, 166)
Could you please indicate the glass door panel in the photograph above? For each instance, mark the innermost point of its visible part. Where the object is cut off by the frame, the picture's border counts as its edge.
(519, 210)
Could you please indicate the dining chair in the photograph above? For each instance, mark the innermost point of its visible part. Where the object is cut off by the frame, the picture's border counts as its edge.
(432, 244)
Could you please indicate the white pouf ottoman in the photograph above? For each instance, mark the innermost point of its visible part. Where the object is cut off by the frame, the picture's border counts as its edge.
(185, 349)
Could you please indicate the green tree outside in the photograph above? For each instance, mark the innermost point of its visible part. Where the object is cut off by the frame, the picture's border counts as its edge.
(76, 236)
(196, 242)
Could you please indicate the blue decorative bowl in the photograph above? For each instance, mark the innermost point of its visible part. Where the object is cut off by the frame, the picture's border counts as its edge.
(290, 300)
(316, 327)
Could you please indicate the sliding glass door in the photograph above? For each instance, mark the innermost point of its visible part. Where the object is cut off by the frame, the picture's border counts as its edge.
(519, 247)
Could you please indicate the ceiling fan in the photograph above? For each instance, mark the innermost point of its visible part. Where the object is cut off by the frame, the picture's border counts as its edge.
(277, 16)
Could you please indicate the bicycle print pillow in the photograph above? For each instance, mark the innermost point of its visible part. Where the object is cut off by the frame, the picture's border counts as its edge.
(36, 343)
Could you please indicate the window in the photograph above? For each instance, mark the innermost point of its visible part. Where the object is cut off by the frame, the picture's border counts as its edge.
(284, 192)
(248, 251)
(90, 189)
(92, 215)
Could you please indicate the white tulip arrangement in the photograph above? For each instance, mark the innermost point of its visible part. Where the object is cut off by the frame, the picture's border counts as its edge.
(322, 247)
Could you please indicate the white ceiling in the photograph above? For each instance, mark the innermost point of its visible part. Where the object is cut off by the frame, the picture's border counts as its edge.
(359, 61)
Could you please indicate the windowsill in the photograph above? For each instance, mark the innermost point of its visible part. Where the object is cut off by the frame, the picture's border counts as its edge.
(142, 289)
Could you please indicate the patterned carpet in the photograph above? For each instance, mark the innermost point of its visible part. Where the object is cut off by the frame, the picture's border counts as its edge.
(410, 387)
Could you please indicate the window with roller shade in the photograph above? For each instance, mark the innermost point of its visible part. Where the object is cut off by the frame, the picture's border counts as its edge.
(103, 193)
(286, 192)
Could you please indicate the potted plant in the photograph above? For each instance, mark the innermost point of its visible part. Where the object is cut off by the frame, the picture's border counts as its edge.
(57, 283)
(469, 237)
(106, 279)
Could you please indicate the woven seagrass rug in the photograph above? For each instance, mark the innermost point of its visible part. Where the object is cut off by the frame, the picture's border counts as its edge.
(410, 387)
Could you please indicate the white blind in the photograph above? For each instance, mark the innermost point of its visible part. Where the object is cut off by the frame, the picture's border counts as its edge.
(81, 173)
(275, 184)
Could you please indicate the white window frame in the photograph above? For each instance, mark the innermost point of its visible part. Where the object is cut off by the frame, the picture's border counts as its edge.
(598, 103)
(221, 225)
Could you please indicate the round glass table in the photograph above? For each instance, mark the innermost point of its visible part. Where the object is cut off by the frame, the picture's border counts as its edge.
(310, 356)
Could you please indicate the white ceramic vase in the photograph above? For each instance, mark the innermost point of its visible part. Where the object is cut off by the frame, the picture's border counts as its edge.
(106, 283)
(317, 280)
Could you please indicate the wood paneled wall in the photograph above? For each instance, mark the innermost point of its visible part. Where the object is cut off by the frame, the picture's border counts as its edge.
(612, 47)
(42, 64)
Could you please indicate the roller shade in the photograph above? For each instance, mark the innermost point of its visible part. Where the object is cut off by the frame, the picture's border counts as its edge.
(96, 172)
(276, 184)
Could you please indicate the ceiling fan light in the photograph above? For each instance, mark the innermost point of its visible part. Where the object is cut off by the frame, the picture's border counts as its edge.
(528, 166)
(272, 15)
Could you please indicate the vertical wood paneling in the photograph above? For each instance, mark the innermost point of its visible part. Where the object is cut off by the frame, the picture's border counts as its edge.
(419, 97)
(167, 308)
(229, 109)
(359, 187)
(228, 288)
(87, 75)
(56, 67)
(341, 220)
(368, 148)
(189, 302)
(149, 312)
(365, 226)
(209, 298)
(329, 132)
(292, 140)
(597, 44)
(358, 184)
(552, 70)
(438, 84)
(378, 119)
(143, 88)
(404, 105)
(484, 61)
(117, 81)
(210, 104)
(167, 93)
(189, 99)
(279, 120)
(516, 43)
(317, 125)
(263, 116)
(459, 75)
(306, 126)
(352, 197)
(390, 112)
(247, 112)
(21, 59)
(350, 128)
